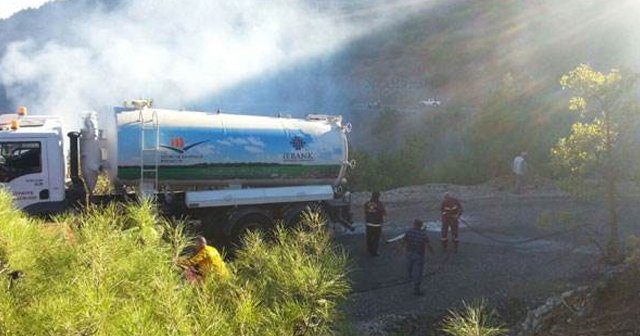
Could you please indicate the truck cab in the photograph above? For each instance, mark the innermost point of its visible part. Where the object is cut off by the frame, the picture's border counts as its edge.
(32, 162)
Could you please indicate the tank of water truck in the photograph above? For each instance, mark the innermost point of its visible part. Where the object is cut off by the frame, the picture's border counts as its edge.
(186, 150)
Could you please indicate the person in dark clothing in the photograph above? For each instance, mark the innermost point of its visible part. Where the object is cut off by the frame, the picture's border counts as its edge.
(416, 241)
(374, 213)
(451, 210)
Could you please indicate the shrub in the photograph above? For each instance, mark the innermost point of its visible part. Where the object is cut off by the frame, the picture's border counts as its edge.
(115, 274)
(476, 319)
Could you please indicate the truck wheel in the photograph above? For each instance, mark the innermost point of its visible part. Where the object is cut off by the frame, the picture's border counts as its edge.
(295, 217)
(250, 223)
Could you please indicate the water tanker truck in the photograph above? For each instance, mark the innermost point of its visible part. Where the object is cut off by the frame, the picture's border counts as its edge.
(227, 173)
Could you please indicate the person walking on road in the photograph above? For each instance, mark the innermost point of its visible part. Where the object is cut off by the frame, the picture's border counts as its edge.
(374, 213)
(519, 169)
(416, 241)
(451, 210)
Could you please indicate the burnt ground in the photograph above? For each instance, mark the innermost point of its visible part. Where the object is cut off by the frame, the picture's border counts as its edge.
(493, 261)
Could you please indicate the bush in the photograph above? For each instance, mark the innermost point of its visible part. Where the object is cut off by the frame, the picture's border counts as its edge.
(476, 319)
(112, 272)
(391, 169)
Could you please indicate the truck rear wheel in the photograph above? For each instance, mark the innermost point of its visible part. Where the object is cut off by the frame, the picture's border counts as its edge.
(310, 211)
(295, 216)
(250, 223)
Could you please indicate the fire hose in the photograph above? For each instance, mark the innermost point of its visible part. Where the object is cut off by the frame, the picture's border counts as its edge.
(403, 281)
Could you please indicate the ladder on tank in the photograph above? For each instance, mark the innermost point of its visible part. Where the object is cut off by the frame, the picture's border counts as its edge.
(149, 151)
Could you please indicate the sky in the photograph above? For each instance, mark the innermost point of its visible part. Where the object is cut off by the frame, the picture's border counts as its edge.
(9, 7)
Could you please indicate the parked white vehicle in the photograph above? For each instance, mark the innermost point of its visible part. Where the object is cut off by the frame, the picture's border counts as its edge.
(430, 102)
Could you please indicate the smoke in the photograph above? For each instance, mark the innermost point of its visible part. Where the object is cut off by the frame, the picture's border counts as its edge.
(179, 52)
(8, 8)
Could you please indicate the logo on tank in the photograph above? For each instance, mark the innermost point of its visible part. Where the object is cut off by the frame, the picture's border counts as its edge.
(177, 142)
(298, 143)
(178, 145)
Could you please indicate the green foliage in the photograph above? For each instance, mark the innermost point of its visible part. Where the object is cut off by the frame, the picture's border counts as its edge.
(460, 169)
(595, 90)
(603, 144)
(507, 123)
(511, 120)
(467, 144)
(582, 152)
(592, 150)
(390, 169)
(386, 123)
(299, 278)
(111, 271)
(476, 319)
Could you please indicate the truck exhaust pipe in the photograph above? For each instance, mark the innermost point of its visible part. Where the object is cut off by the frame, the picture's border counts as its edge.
(77, 190)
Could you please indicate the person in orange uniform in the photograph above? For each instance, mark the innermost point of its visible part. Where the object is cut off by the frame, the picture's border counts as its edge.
(450, 209)
(207, 260)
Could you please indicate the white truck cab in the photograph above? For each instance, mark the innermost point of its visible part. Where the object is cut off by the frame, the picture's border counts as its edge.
(32, 161)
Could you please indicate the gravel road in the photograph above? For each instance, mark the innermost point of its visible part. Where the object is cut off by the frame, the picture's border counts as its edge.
(490, 264)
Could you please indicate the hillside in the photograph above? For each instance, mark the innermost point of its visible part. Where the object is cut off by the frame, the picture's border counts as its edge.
(461, 53)
(495, 66)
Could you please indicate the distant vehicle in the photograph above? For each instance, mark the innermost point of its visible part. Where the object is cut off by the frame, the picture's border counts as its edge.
(430, 102)
(229, 173)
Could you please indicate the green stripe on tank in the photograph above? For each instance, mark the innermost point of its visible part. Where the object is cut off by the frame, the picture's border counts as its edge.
(229, 172)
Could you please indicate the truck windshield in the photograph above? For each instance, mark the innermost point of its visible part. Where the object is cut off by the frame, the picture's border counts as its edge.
(18, 159)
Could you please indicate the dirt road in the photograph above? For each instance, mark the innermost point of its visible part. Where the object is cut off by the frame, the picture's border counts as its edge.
(490, 264)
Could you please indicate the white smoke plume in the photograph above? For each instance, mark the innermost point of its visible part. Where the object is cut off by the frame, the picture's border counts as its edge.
(179, 51)
(8, 8)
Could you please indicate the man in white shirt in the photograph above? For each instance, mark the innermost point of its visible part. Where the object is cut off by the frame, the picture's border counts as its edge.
(519, 169)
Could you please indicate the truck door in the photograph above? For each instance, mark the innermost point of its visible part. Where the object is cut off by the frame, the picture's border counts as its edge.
(23, 170)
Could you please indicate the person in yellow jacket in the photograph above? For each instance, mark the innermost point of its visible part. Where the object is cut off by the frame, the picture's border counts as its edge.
(205, 261)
